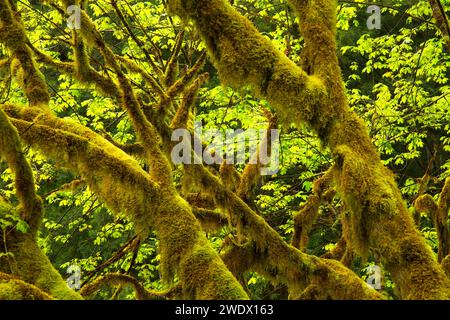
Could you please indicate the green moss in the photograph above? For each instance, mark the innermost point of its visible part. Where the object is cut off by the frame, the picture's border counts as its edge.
(94, 158)
(30, 264)
(181, 118)
(210, 220)
(30, 208)
(205, 277)
(121, 183)
(446, 265)
(13, 35)
(244, 57)
(379, 220)
(438, 213)
(12, 288)
(34, 267)
(271, 256)
(304, 221)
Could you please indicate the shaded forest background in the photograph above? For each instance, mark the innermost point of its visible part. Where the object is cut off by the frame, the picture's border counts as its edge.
(396, 80)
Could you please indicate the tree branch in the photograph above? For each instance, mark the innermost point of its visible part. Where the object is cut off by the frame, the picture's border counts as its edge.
(380, 220)
(441, 21)
(12, 34)
(122, 279)
(11, 151)
(125, 187)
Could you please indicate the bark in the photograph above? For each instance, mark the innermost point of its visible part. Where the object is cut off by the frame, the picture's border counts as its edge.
(441, 21)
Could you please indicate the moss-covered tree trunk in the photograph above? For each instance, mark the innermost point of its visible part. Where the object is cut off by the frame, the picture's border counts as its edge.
(314, 93)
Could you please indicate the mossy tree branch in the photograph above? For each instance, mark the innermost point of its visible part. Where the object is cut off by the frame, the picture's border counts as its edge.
(30, 265)
(141, 292)
(11, 151)
(438, 213)
(12, 288)
(146, 132)
(185, 251)
(305, 219)
(252, 171)
(125, 187)
(209, 219)
(279, 261)
(12, 34)
(315, 95)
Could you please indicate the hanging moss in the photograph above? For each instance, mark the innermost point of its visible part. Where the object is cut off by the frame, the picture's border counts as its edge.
(303, 222)
(252, 171)
(446, 265)
(34, 267)
(273, 257)
(210, 220)
(379, 220)
(181, 118)
(305, 219)
(31, 265)
(125, 187)
(244, 57)
(204, 277)
(201, 200)
(438, 213)
(229, 175)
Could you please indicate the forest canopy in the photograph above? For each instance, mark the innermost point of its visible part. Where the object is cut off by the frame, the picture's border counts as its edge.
(216, 149)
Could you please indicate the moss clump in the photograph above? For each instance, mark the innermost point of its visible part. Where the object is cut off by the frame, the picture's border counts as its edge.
(204, 276)
(305, 219)
(12, 288)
